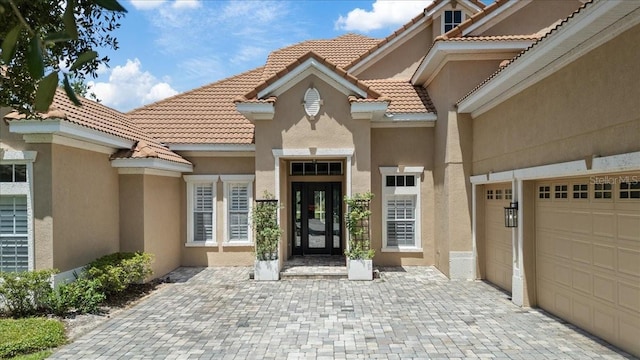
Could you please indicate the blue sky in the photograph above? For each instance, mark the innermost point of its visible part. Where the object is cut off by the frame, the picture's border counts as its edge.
(171, 46)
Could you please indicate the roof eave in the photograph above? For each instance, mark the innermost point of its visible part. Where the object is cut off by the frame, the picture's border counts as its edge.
(598, 23)
(443, 51)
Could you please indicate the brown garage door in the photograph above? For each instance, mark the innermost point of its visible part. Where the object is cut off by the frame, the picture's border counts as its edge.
(498, 243)
(588, 255)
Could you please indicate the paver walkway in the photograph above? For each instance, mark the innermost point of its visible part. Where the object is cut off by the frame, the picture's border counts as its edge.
(409, 313)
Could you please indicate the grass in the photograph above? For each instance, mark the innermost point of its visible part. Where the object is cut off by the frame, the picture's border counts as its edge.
(28, 336)
(34, 356)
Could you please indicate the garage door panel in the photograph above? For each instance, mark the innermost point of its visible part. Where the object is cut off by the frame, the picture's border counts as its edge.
(588, 260)
(604, 256)
(629, 227)
(629, 262)
(581, 251)
(498, 247)
(629, 295)
(581, 281)
(604, 224)
(604, 289)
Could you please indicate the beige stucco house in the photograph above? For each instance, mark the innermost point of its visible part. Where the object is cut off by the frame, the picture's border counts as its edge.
(463, 112)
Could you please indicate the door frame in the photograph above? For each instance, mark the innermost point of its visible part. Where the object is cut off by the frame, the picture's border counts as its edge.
(306, 188)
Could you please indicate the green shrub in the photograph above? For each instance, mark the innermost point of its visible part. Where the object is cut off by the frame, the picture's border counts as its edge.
(84, 295)
(23, 336)
(115, 272)
(25, 293)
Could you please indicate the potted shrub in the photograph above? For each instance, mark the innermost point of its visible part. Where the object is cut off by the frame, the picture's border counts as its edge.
(267, 231)
(359, 255)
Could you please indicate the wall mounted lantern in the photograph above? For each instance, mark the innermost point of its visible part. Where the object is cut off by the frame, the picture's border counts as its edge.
(511, 215)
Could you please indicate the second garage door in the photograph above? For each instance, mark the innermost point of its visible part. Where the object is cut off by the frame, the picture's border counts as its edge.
(588, 255)
(498, 243)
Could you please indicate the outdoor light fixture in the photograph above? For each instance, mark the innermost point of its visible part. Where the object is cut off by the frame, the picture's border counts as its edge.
(511, 215)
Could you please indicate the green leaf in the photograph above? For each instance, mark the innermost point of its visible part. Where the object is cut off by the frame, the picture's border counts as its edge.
(112, 5)
(45, 92)
(70, 93)
(83, 58)
(57, 37)
(69, 20)
(35, 63)
(9, 44)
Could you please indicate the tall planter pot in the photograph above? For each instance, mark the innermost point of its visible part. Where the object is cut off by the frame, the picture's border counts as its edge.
(266, 270)
(360, 269)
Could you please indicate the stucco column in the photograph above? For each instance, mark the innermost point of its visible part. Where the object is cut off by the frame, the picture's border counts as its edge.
(517, 279)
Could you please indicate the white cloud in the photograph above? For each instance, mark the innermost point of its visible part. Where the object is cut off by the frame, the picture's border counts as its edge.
(385, 13)
(146, 4)
(186, 4)
(130, 87)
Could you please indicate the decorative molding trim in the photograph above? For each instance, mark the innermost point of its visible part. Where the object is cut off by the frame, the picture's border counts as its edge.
(445, 51)
(257, 111)
(146, 171)
(151, 163)
(308, 67)
(403, 120)
(18, 156)
(392, 170)
(228, 154)
(66, 141)
(213, 147)
(238, 178)
(628, 161)
(201, 178)
(368, 110)
(401, 249)
(69, 129)
(321, 152)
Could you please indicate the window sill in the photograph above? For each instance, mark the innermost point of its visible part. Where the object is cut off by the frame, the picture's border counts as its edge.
(395, 249)
(201, 244)
(237, 244)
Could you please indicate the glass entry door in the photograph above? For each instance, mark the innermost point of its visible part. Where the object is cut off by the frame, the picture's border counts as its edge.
(317, 214)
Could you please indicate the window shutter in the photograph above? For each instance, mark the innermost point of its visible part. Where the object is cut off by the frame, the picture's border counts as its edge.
(238, 212)
(14, 242)
(401, 220)
(203, 212)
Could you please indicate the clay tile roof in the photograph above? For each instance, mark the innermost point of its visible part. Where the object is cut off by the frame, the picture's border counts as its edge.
(402, 29)
(251, 95)
(339, 51)
(202, 116)
(543, 34)
(403, 96)
(102, 118)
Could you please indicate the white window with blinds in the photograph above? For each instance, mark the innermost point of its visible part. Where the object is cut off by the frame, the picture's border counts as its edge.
(238, 202)
(401, 208)
(16, 211)
(201, 209)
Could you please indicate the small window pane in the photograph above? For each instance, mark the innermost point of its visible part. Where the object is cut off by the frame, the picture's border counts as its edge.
(309, 168)
(630, 190)
(322, 168)
(602, 191)
(391, 181)
(499, 194)
(411, 180)
(20, 173)
(560, 192)
(335, 168)
(400, 181)
(448, 16)
(508, 194)
(489, 194)
(544, 192)
(6, 173)
(457, 17)
(297, 168)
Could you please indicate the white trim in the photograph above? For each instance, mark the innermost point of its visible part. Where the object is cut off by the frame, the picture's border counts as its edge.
(17, 156)
(226, 154)
(66, 141)
(307, 152)
(402, 120)
(424, 116)
(256, 111)
(213, 147)
(69, 129)
(496, 16)
(237, 179)
(613, 163)
(191, 180)
(368, 110)
(308, 67)
(415, 191)
(146, 171)
(151, 163)
(596, 24)
(444, 51)
(23, 189)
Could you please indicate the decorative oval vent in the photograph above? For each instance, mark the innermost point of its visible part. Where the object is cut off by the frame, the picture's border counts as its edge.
(312, 102)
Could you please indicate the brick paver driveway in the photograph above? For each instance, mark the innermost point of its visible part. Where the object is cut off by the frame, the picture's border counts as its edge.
(217, 313)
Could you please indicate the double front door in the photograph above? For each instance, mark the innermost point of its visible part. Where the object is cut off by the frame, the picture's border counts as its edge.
(317, 215)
